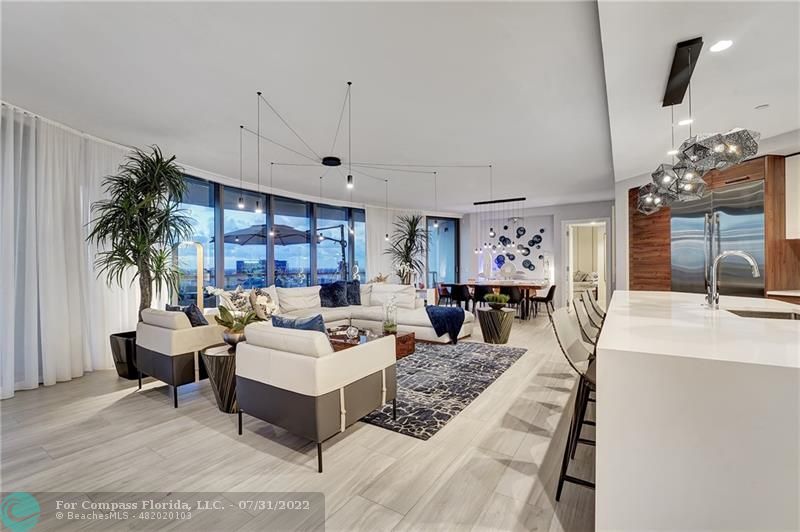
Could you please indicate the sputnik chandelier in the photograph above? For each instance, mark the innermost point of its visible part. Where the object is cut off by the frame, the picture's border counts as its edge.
(331, 161)
(697, 155)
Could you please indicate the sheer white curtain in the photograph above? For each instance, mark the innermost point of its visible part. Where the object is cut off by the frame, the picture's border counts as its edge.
(55, 315)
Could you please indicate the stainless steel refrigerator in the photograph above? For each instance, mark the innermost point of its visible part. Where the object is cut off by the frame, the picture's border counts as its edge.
(730, 218)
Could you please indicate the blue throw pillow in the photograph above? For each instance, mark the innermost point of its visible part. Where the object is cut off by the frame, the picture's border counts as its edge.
(333, 294)
(193, 312)
(354, 292)
(312, 323)
(195, 315)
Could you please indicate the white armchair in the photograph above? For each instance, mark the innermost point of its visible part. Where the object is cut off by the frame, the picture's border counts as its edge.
(167, 348)
(294, 379)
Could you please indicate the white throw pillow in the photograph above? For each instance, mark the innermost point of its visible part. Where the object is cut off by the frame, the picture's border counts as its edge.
(405, 295)
(236, 300)
(366, 294)
(264, 301)
(291, 299)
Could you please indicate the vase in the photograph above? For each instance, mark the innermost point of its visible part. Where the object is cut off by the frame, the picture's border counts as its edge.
(232, 338)
(390, 316)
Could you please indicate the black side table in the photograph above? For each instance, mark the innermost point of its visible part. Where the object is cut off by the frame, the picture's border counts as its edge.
(220, 362)
(496, 324)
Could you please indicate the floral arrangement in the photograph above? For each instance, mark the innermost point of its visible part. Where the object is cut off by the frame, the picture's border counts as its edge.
(380, 278)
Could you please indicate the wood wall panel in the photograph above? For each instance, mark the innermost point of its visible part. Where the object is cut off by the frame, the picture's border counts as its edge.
(781, 256)
(649, 253)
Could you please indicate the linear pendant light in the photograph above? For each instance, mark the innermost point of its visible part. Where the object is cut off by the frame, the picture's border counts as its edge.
(386, 237)
(435, 199)
(241, 164)
(350, 183)
(258, 156)
(271, 193)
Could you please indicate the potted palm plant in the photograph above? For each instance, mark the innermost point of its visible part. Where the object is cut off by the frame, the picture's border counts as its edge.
(408, 245)
(135, 228)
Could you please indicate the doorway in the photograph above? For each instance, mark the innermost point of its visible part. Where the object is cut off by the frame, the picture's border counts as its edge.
(587, 264)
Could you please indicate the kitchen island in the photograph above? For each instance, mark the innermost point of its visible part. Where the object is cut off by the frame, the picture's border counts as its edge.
(698, 415)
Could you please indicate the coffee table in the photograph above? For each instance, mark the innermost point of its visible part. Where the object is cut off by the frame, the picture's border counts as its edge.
(220, 362)
(405, 342)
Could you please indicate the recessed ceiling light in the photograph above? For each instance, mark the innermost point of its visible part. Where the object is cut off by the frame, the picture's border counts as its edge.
(672, 152)
(721, 45)
(685, 122)
(762, 106)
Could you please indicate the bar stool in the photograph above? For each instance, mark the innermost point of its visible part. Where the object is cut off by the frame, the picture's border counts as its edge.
(596, 306)
(583, 363)
(589, 332)
(595, 319)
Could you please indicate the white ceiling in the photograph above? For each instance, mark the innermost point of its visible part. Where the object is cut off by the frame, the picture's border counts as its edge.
(518, 85)
(762, 66)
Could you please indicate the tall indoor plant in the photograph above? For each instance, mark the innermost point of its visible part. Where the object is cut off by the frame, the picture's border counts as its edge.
(138, 224)
(408, 245)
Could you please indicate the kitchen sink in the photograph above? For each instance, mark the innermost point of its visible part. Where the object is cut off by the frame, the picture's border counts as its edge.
(768, 314)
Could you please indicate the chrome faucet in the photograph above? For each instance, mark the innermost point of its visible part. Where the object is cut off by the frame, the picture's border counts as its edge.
(712, 295)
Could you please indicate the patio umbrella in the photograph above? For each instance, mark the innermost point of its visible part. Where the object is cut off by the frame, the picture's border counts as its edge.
(258, 235)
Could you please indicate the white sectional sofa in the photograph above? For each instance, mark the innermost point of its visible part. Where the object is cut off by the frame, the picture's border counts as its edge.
(411, 314)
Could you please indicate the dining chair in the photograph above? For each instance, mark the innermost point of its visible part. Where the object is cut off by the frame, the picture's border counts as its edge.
(582, 361)
(514, 297)
(478, 294)
(588, 331)
(547, 300)
(444, 295)
(459, 293)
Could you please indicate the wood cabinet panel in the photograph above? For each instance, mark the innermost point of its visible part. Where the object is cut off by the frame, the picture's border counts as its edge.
(649, 253)
(752, 170)
(781, 256)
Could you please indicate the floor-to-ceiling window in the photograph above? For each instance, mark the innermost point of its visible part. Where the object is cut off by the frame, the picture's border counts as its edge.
(246, 238)
(296, 243)
(442, 250)
(333, 237)
(359, 224)
(198, 251)
(292, 243)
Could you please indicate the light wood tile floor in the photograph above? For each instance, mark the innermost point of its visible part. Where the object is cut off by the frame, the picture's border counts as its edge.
(493, 467)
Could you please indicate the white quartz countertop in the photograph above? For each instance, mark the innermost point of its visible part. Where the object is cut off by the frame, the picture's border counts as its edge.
(678, 324)
(786, 293)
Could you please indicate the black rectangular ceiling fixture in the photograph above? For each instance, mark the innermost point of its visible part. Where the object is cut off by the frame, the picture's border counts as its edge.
(492, 202)
(681, 71)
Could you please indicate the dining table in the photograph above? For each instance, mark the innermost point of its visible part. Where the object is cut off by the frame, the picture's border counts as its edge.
(525, 286)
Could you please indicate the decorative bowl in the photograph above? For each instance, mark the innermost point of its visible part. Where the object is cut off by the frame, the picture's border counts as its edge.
(232, 338)
(497, 306)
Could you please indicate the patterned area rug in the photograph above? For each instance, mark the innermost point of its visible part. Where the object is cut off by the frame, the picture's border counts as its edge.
(439, 381)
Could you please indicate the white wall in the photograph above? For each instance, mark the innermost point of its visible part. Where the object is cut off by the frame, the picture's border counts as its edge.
(621, 227)
(554, 215)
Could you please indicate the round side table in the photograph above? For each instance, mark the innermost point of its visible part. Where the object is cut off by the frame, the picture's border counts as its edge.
(496, 324)
(220, 361)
